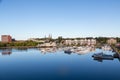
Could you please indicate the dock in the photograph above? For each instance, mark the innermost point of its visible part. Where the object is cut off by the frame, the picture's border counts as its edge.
(117, 54)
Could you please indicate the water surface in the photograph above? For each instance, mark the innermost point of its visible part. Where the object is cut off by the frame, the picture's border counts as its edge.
(31, 64)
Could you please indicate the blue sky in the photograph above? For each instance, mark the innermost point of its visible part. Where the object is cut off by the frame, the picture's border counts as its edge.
(25, 19)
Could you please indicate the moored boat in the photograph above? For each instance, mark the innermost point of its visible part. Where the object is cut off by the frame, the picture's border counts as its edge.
(102, 56)
(68, 51)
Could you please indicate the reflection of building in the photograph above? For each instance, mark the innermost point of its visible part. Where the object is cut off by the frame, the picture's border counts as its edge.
(6, 38)
(6, 53)
(112, 41)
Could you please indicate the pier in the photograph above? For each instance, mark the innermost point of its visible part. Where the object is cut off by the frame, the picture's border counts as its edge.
(117, 54)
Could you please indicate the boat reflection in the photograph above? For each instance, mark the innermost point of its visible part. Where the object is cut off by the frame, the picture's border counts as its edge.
(48, 50)
(69, 50)
(79, 50)
(101, 60)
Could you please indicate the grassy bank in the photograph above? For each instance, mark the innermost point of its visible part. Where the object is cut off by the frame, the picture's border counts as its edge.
(25, 44)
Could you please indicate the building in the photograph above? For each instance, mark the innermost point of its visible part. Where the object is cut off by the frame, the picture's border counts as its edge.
(111, 41)
(68, 42)
(52, 44)
(81, 42)
(6, 38)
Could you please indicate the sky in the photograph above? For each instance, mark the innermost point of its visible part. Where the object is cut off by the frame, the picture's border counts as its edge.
(23, 19)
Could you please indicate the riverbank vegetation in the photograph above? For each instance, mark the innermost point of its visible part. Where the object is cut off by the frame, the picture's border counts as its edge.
(60, 41)
(19, 44)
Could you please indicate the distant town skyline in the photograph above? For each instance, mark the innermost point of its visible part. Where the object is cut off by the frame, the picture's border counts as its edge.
(23, 19)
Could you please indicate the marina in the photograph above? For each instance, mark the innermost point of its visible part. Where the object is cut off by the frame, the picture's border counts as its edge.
(59, 39)
(79, 50)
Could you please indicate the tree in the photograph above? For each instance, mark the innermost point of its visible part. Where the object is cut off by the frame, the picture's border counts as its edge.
(60, 39)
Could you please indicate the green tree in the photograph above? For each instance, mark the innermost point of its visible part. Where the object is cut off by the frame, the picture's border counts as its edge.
(60, 39)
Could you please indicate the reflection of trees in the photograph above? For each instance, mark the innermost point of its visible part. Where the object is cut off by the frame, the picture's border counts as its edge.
(22, 49)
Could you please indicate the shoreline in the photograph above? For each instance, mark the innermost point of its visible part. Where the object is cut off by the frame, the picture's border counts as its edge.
(18, 47)
(25, 47)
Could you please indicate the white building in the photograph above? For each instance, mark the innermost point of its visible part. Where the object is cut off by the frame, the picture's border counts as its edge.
(53, 44)
(68, 42)
(111, 41)
(81, 42)
(93, 42)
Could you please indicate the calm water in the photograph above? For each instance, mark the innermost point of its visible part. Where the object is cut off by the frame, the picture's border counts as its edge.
(31, 64)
